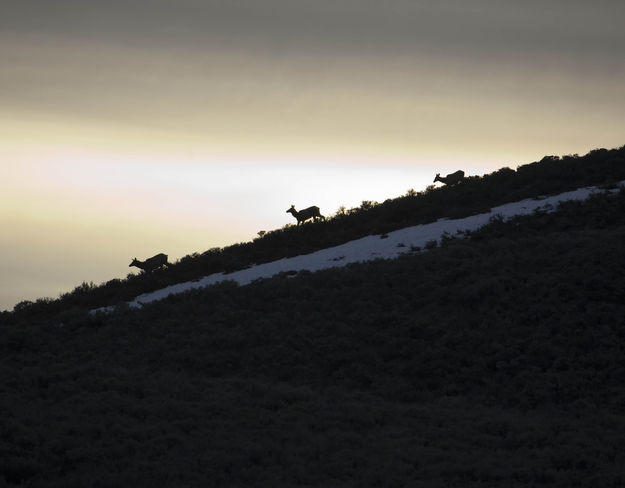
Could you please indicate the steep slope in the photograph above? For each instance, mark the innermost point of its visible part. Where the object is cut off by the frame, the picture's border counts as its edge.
(551, 175)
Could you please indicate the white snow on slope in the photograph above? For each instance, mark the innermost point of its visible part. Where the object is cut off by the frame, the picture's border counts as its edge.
(368, 248)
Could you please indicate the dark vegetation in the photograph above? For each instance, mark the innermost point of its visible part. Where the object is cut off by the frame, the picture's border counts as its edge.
(493, 360)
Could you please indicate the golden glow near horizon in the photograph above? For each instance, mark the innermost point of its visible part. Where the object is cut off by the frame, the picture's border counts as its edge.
(131, 128)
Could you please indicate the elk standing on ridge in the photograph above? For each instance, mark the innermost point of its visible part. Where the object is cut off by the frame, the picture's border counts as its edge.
(151, 264)
(307, 213)
(451, 179)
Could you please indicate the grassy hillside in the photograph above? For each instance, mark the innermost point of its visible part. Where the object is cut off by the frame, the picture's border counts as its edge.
(476, 194)
(495, 360)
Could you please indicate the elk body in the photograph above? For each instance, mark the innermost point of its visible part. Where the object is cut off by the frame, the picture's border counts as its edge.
(450, 179)
(151, 264)
(307, 213)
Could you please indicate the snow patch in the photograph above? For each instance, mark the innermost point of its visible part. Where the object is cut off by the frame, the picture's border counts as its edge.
(387, 246)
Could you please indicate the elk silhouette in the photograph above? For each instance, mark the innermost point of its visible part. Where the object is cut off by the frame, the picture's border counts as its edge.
(451, 179)
(307, 213)
(151, 264)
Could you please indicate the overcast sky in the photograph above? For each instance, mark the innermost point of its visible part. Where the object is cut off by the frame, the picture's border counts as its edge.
(136, 127)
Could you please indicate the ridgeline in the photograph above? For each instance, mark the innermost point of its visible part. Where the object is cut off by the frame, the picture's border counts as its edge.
(476, 194)
(493, 360)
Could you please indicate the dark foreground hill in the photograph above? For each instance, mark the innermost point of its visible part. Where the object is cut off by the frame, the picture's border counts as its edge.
(495, 360)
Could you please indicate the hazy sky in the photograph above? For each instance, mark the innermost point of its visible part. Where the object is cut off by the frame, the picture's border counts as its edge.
(132, 127)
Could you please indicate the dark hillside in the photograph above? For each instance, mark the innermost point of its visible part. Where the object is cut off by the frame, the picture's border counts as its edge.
(476, 194)
(496, 360)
